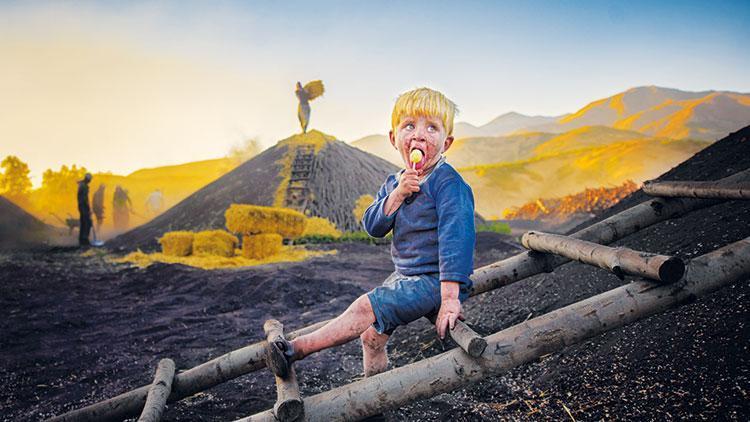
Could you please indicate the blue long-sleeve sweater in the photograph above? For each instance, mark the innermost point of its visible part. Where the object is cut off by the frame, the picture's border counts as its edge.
(433, 230)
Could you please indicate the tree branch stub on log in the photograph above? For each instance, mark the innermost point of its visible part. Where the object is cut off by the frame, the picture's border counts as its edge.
(158, 392)
(471, 342)
(289, 406)
(620, 261)
(466, 338)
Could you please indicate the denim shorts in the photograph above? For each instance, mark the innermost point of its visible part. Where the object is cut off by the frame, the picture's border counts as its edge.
(405, 298)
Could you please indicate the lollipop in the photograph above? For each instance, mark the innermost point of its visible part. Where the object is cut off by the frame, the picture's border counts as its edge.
(415, 157)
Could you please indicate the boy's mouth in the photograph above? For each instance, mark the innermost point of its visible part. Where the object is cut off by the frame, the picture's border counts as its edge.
(416, 158)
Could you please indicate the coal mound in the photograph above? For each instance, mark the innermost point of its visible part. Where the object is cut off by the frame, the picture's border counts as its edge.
(19, 229)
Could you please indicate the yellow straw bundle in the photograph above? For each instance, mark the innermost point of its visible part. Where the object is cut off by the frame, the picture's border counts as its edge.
(214, 242)
(319, 226)
(178, 243)
(259, 246)
(255, 219)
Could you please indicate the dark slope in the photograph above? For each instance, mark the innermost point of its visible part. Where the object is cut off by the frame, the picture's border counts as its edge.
(19, 229)
(342, 174)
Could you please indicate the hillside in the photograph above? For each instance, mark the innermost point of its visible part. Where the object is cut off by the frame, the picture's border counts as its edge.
(341, 175)
(570, 168)
(649, 111)
(501, 125)
(176, 182)
(379, 146)
(487, 150)
(662, 112)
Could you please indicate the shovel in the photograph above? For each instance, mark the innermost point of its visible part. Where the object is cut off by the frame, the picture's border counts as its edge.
(96, 242)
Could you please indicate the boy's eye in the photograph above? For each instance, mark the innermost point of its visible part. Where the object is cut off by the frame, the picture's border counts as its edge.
(431, 128)
(409, 126)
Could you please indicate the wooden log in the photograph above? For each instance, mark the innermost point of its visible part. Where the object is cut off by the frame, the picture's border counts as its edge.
(489, 277)
(159, 391)
(526, 341)
(471, 342)
(289, 406)
(705, 190)
(466, 338)
(662, 268)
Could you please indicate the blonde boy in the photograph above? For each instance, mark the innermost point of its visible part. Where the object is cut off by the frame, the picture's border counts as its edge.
(430, 210)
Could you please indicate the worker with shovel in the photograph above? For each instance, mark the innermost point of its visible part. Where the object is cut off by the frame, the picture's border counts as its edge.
(84, 209)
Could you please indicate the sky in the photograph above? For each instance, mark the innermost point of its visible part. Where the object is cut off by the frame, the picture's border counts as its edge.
(118, 86)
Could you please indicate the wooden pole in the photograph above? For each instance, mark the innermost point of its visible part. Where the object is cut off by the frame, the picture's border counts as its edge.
(466, 338)
(666, 269)
(471, 342)
(527, 341)
(159, 391)
(706, 190)
(288, 405)
(489, 277)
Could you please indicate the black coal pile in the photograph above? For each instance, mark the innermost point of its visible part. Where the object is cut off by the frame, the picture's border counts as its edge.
(19, 229)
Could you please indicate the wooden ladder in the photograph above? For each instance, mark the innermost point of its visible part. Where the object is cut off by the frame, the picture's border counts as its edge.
(303, 167)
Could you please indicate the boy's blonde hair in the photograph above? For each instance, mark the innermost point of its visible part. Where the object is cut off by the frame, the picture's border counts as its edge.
(424, 102)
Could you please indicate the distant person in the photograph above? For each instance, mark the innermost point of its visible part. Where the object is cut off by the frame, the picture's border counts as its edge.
(121, 209)
(305, 94)
(154, 203)
(429, 209)
(84, 209)
(98, 204)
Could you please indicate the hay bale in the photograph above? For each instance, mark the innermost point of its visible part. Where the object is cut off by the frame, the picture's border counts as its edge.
(259, 246)
(255, 219)
(214, 242)
(178, 243)
(319, 226)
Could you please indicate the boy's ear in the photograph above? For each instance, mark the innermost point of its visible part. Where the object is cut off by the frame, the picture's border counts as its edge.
(393, 139)
(448, 143)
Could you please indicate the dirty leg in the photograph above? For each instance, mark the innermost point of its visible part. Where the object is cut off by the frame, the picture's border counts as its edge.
(342, 329)
(374, 356)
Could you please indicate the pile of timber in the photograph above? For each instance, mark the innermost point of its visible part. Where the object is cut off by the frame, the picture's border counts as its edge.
(669, 282)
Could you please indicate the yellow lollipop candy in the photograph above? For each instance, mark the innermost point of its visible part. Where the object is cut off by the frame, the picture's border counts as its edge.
(416, 156)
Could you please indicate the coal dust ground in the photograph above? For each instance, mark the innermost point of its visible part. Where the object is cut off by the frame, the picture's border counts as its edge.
(77, 329)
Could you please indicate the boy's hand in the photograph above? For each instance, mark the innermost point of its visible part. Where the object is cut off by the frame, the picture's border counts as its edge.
(450, 311)
(450, 308)
(408, 184)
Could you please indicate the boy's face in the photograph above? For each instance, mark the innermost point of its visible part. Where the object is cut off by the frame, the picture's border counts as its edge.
(425, 133)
